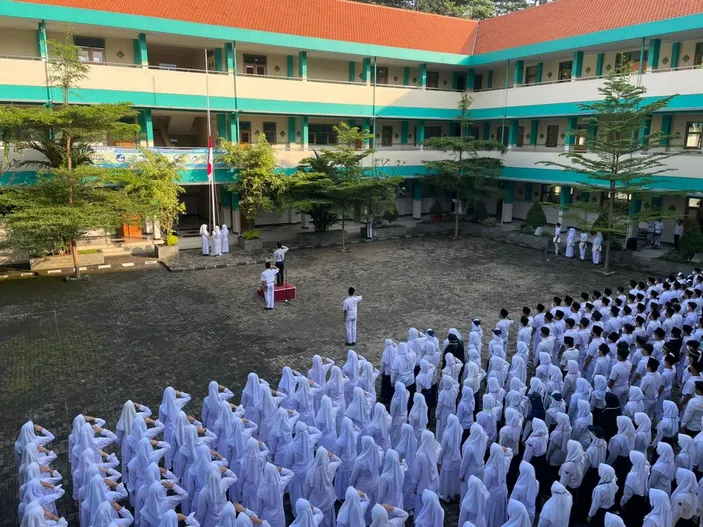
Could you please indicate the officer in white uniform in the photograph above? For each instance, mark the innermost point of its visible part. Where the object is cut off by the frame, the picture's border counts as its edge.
(267, 278)
(350, 308)
(279, 255)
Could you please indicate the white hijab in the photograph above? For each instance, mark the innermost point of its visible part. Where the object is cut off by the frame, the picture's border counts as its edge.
(203, 230)
(661, 514)
(527, 484)
(317, 372)
(665, 463)
(351, 367)
(557, 509)
(345, 446)
(95, 494)
(407, 446)
(517, 515)
(305, 514)
(381, 422)
(129, 412)
(104, 516)
(325, 417)
(370, 456)
(358, 409)
(350, 513)
(155, 504)
(613, 520)
(497, 461)
(432, 513)
(394, 476)
(418, 413)
(270, 488)
(475, 498)
(379, 516)
(638, 477)
(168, 409)
(212, 399)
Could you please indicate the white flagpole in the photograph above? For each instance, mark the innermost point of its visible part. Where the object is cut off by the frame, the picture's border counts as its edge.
(209, 135)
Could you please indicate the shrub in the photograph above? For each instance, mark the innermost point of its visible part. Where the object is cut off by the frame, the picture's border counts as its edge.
(536, 217)
(391, 215)
(321, 217)
(436, 209)
(251, 235)
(691, 242)
(171, 240)
(480, 211)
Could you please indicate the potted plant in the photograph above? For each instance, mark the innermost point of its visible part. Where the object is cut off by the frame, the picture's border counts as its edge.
(250, 240)
(169, 250)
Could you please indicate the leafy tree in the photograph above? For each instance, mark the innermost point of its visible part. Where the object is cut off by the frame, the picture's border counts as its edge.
(503, 7)
(536, 217)
(691, 242)
(623, 156)
(259, 184)
(466, 175)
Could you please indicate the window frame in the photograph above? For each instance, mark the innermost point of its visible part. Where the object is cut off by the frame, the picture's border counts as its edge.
(688, 134)
(581, 140)
(381, 71)
(245, 128)
(434, 74)
(384, 130)
(528, 75)
(255, 64)
(478, 80)
(326, 130)
(434, 127)
(563, 69)
(90, 45)
(698, 54)
(556, 136)
(274, 133)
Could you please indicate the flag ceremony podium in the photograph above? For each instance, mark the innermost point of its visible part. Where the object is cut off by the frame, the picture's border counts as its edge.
(280, 292)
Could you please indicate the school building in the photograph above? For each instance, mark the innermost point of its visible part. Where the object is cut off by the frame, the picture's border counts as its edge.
(292, 69)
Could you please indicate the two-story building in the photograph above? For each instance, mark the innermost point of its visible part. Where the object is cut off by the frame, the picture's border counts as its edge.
(293, 69)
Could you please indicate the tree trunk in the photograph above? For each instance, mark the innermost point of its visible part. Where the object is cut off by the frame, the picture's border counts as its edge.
(74, 253)
(611, 204)
(344, 247)
(456, 218)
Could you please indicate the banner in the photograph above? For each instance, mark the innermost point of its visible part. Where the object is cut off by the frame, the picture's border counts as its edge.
(189, 158)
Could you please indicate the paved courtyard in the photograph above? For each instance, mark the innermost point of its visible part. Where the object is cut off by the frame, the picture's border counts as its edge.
(89, 346)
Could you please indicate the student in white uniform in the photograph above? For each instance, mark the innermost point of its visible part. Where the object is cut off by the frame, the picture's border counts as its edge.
(570, 242)
(557, 238)
(279, 256)
(216, 241)
(205, 239)
(267, 278)
(597, 247)
(224, 238)
(350, 314)
(583, 245)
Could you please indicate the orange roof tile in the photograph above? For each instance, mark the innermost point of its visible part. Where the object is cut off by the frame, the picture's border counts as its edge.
(568, 18)
(329, 19)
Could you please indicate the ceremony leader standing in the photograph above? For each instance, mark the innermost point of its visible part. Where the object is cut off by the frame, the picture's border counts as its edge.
(350, 308)
(279, 256)
(267, 278)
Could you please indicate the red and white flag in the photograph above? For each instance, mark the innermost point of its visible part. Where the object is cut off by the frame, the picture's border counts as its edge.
(209, 159)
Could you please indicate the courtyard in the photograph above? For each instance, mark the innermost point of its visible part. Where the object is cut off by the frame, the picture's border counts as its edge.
(89, 346)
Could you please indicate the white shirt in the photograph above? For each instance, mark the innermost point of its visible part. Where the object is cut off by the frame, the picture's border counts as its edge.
(678, 229)
(269, 275)
(350, 305)
(692, 415)
(280, 254)
(620, 374)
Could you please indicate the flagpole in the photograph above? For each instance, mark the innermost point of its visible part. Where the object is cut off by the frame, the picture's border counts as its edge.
(211, 169)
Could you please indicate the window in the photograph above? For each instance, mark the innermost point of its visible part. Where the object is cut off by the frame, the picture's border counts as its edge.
(531, 75)
(565, 70)
(694, 131)
(698, 55)
(552, 135)
(255, 64)
(322, 134)
(461, 82)
(433, 131)
(245, 132)
(581, 140)
(503, 135)
(551, 194)
(478, 82)
(381, 75)
(630, 57)
(270, 132)
(90, 49)
(433, 79)
(520, 136)
(387, 136)
(474, 132)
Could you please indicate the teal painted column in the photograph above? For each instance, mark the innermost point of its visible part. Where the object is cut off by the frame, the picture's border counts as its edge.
(507, 74)
(420, 132)
(291, 132)
(372, 129)
(572, 123)
(303, 65)
(290, 66)
(675, 52)
(508, 198)
(534, 128)
(577, 66)
(592, 133)
(653, 54)
(564, 201)
(635, 206)
(351, 123)
(219, 63)
(489, 81)
(417, 190)
(470, 79)
(304, 136)
(417, 199)
(423, 76)
(656, 202)
(666, 130)
(404, 126)
(41, 40)
(540, 70)
(455, 80)
(599, 64)
(512, 135)
(352, 71)
(406, 76)
(366, 125)
(221, 126)
(234, 127)
(641, 66)
(518, 72)
(486, 131)
(529, 189)
(142, 49)
(147, 125)
(366, 70)
(645, 130)
(229, 57)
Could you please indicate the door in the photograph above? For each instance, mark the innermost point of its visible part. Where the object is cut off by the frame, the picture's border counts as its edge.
(478, 82)
(461, 82)
(387, 136)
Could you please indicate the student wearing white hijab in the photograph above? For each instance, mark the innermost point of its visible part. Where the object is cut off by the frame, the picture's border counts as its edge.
(367, 379)
(303, 399)
(143, 457)
(224, 238)
(345, 450)
(307, 515)
(211, 403)
(526, 489)
(36, 516)
(432, 513)
(299, 457)
(518, 369)
(495, 479)
(96, 493)
(517, 515)
(387, 358)
(558, 442)
(684, 499)
(450, 460)
(281, 433)
(487, 418)
(270, 492)
(216, 241)
(473, 453)
(212, 497)
(426, 474)
(426, 382)
(634, 498)
(473, 504)
(205, 239)
(172, 403)
(418, 417)
(465, 411)
(319, 486)
(571, 472)
(398, 412)
(661, 515)
(446, 404)
(252, 472)
(88, 440)
(32, 455)
(584, 419)
(109, 515)
(403, 369)
(379, 427)
(557, 509)
(157, 503)
(390, 487)
(353, 510)
(380, 516)
(326, 423)
(365, 474)
(358, 409)
(407, 450)
(37, 490)
(664, 470)
(510, 433)
(603, 497)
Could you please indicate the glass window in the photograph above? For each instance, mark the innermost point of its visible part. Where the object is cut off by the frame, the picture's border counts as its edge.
(433, 131)
(552, 136)
(478, 82)
(581, 140)
(551, 194)
(531, 75)
(698, 55)
(387, 136)
(270, 132)
(322, 134)
(245, 132)
(474, 132)
(461, 82)
(255, 64)
(433, 79)
(630, 57)
(693, 136)
(565, 70)
(381, 75)
(90, 49)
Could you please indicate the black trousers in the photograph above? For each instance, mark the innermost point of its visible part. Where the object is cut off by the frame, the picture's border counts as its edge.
(677, 237)
(281, 269)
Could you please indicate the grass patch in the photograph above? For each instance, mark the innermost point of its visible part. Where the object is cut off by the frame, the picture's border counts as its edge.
(674, 256)
(88, 251)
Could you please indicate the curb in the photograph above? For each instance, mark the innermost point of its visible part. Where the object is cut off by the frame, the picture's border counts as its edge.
(66, 271)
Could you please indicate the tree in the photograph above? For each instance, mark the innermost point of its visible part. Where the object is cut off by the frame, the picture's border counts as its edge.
(623, 155)
(70, 197)
(260, 184)
(536, 217)
(336, 182)
(474, 9)
(466, 175)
